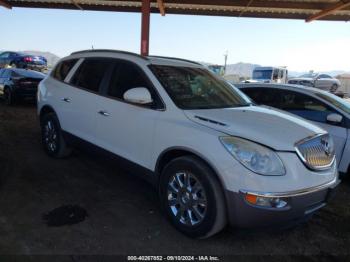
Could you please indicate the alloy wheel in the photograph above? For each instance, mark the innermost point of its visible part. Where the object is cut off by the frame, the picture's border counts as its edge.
(50, 136)
(186, 198)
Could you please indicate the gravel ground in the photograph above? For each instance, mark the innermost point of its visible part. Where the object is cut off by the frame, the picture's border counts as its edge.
(124, 214)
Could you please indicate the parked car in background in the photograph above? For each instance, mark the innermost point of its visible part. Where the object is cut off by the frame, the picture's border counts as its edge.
(214, 157)
(22, 60)
(324, 109)
(321, 81)
(269, 74)
(18, 84)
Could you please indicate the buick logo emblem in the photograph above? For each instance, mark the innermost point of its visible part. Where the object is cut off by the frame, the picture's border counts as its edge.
(326, 147)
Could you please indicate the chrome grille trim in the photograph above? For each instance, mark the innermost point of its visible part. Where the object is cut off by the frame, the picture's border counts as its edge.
(313, 154)
(331, 184)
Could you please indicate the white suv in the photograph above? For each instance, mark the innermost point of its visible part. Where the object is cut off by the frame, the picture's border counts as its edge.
(214, 157)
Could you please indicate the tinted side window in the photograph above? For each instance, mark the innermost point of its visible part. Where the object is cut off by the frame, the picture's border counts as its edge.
(90, 74)
(126, 76)
(305, 106)
(63, 68)
(263, 96)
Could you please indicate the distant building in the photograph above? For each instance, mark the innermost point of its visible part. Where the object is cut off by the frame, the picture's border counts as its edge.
(345, 82)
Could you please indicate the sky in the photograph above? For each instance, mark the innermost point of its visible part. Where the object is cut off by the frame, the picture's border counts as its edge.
(319, 46)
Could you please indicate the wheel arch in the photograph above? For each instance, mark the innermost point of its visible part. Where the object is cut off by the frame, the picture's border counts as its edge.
(174, 152)
(46, 109)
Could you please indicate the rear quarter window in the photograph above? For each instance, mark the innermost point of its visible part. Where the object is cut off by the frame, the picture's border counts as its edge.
(63, 68)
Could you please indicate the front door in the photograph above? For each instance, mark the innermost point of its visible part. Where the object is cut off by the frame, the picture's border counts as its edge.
(123, 128)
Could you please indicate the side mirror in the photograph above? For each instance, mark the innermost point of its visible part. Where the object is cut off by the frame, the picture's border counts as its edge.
(138, 95)
(334, 118)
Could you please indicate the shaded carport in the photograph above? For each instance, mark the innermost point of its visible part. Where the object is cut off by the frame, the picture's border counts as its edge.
(308, 10)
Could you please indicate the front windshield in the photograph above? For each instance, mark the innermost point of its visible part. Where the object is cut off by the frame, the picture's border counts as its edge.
(262, 74)
(196, 88)
(311, 75)
(336, 101)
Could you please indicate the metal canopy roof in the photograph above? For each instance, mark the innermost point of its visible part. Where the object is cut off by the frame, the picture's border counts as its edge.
(308, 10)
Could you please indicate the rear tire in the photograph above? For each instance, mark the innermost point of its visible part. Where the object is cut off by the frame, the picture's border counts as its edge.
(334, 88)
(192, 198)
(52, 138)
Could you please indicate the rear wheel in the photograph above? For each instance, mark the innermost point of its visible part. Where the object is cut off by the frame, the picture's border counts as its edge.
(334, 88)
(52, 138)
(192, 198)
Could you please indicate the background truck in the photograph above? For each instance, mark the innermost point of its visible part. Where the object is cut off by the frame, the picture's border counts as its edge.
(268, 74)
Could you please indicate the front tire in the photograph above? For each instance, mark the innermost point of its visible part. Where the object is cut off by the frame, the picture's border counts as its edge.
(52, 138)
(192, 198)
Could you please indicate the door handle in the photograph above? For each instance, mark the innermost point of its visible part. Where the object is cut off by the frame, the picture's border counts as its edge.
(66, 99)
(103, 113)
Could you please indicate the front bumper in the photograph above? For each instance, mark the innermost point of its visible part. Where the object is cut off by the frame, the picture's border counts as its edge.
(301, 205)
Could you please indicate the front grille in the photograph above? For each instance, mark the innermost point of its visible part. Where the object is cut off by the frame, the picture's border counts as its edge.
(317, 152)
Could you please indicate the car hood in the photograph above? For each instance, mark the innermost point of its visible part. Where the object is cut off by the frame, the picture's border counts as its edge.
(266, 126)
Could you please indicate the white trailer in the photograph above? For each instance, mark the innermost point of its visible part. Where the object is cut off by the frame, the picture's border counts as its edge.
(269, 74)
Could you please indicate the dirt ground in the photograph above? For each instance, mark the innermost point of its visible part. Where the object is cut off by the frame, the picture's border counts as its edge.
(124, 214)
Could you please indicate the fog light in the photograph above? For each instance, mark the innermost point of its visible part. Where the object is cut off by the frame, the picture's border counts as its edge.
(274, 202)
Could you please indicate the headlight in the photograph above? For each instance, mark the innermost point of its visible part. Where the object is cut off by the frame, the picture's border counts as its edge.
(255, 157)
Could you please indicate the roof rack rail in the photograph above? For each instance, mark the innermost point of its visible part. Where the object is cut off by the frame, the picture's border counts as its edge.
(175, 58)
(108, 50)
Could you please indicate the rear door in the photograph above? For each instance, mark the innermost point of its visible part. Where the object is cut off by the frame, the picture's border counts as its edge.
(323, 82)
(123, 128)
(78, 98)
